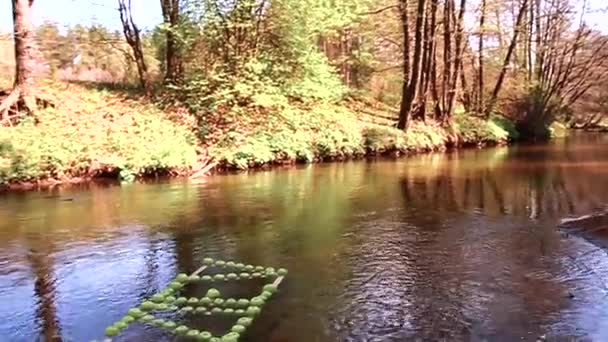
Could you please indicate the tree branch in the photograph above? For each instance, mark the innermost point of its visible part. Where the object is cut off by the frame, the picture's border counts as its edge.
(378, 11)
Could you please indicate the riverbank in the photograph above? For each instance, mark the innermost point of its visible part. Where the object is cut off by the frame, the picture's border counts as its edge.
(103, 133)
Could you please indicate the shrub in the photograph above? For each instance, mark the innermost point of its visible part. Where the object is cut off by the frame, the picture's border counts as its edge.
(536, 114)
(500, 124)
(474, 130)
(316, 79)
(384, 139)
(558, 130)
(290, 133)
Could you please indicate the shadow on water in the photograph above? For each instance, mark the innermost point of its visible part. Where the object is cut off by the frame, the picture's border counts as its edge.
(461, 246)
(41, 264)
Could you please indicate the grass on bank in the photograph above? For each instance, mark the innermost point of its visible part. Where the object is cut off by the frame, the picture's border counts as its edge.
(93, 132)
(328, 131)
(96, 131)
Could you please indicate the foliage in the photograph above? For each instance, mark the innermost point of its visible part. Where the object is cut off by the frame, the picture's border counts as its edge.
(265, 82)
(558, 130)
(420, 138)
(261, 89)
(293, 134)
(317, 79)
(383, 139)
(536, 114)
(500, 124)
(85, 53)
(254, 48)
(473, 130)
(427, 137)
(299, 133)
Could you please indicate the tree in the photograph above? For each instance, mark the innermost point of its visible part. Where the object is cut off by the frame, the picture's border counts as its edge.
(457, 62)
(507, 61)
(410, 85)
(133, 38)
(447, 51)
(51, 44)
(480, 85)
(565, 58)
(22, 96)
(173, 61)
(428, 73)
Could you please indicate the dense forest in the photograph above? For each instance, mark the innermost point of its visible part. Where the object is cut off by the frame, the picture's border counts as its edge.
(246, 83)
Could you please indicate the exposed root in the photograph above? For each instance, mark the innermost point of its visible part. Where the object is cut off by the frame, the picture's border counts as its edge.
(203, 169)
(19, 103)
(11, 101)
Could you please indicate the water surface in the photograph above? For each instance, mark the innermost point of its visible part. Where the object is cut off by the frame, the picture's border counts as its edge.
(461, 247)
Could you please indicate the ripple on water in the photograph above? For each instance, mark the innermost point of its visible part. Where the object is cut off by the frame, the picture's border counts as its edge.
(407, 283)
(456, 247)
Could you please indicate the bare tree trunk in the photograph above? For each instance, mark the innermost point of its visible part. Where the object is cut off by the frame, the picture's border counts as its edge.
(499, 31)
(480, 85)
(346, 50)
(529, 43)
(355, 69)
(131, 32)
(410, 94)
(25, 44)
(406, 38)
(434, 90)
(469, 91)
(505, 66)
(403, 111)
(420, 112)
(459, 27)
(464, 89)
(429, 71)
(538, 62)
(432, 70)
(174, 67)
(25, 50)
(447, 52)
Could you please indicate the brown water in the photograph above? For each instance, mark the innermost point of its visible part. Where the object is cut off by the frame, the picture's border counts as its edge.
(461, 247)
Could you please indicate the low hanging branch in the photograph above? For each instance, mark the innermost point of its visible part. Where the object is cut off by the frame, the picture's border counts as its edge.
(505, 66)
(380, 10)
(582, 79)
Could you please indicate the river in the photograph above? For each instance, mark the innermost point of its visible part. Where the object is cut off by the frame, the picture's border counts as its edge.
(456, 246)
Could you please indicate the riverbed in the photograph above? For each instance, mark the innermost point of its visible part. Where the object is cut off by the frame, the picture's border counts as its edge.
(457, 246)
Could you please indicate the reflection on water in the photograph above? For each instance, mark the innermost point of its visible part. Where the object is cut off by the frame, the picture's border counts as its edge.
(461, 246)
